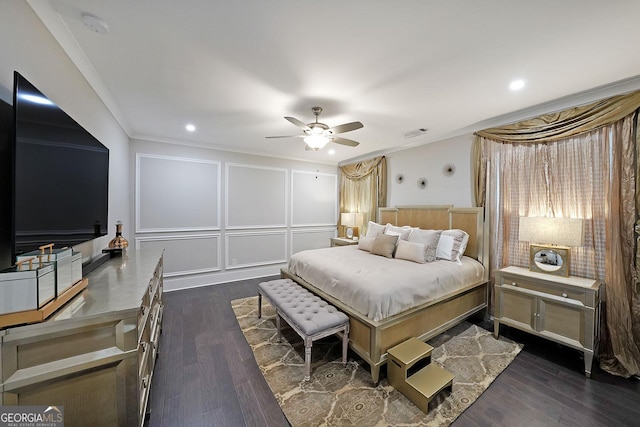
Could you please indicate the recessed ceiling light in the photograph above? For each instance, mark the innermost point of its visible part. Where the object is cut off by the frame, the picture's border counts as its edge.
(332, 152)
(516, 85)
(190, 127)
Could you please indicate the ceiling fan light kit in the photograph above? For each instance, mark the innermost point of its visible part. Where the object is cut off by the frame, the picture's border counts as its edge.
(316, 142)
(316, 135)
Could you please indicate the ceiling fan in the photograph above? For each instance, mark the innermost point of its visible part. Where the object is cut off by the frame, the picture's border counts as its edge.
(317, 135)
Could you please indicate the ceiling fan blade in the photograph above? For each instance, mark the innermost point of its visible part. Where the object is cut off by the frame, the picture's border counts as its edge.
(347, 127)
(345, 141)
(298, 123)
(283, 136)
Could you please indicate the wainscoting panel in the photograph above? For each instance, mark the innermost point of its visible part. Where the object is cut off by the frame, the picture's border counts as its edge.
(255, 248)
(256, 196)
(186, 254)
(176, 194)
(314, 198)
(301, 240)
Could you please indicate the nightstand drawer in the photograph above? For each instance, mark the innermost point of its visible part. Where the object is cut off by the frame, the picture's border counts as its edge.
(559, 291)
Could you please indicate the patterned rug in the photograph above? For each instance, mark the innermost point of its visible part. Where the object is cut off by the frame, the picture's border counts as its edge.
(345, 396)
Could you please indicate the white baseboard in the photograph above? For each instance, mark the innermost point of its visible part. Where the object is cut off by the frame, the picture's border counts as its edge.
(176, 283)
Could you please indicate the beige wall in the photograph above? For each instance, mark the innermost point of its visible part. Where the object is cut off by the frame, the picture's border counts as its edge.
(427, 161)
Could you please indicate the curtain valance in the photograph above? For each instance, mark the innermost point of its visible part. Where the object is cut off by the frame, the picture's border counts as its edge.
(361, 169)
(567, 123)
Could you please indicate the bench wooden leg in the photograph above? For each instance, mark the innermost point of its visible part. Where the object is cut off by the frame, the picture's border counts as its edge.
(278, 339)
(345, 345)
(308, 342)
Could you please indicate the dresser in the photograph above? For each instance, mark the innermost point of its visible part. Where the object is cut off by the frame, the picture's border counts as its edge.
(96, 355)
(562, 309)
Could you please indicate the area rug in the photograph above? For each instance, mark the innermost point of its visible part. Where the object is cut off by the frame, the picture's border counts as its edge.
(345, 396)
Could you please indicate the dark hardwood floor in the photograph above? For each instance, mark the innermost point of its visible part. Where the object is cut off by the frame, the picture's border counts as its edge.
(206, 376)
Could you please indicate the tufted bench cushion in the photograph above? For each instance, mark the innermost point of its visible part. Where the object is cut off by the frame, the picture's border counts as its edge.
(309, 315)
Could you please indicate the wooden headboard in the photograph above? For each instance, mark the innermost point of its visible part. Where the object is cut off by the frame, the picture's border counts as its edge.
(443, 217)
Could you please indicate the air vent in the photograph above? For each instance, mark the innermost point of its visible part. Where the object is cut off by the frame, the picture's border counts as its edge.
(414, 133)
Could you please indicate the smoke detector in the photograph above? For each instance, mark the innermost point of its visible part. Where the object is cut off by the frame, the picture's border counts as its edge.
(95, 24)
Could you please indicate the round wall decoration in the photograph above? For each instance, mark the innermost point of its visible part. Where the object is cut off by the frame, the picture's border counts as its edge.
(399, 178)
(449, 169)
(422, 183)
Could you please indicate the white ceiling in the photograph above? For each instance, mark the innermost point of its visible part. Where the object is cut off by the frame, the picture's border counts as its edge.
(235, 68)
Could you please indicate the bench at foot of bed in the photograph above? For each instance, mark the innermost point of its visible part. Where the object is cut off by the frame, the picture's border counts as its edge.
(310, 316)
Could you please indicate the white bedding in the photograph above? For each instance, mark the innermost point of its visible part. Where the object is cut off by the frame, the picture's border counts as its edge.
(380, 287)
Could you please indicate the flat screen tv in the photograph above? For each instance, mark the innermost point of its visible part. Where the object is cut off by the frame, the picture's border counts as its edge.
(61, 175)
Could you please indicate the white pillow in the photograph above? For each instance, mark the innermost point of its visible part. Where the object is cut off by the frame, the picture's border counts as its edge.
(428, 238)
(366, 243)
(373, 229)
(410, 251)
(401, 232)
(452, 245)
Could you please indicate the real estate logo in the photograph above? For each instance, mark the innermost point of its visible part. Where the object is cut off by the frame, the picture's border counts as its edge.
(31, 416)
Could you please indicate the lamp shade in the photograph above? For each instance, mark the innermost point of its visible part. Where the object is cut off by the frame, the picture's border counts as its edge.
(554, 231)
(351, 219)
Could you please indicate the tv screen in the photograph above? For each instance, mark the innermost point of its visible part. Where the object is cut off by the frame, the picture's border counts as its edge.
(61, 175)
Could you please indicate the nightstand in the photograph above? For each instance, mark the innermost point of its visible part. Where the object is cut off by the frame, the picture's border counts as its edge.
(342, 241)
(562, 309)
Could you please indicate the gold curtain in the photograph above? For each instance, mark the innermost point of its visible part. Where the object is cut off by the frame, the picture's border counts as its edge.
(620, 340)
(567, 123)
(363, 188)
(479, 171)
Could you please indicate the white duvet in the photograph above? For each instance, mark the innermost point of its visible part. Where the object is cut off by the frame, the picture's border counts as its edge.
(380, 287)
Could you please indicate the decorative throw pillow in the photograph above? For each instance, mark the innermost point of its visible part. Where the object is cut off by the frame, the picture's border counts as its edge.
(373, 229)
(384, 245)
(452, 245)
(429, 238)
(366, 243)
(401, 232)
(410, 251)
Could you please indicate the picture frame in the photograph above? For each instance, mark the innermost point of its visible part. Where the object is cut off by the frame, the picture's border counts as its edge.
(549, 259)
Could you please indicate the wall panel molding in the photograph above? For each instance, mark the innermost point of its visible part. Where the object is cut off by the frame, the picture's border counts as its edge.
(314, 199)
(187, 254)
(255, 248)
(256, 196)
(310, 238)
(176, 194)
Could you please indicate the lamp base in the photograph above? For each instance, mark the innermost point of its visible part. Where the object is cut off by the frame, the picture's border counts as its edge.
(352, 233)
(549, 259)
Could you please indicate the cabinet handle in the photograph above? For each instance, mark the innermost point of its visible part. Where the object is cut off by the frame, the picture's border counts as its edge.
(514, 284)
(564, 294)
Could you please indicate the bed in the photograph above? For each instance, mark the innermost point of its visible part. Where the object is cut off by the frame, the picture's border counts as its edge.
(374, 328)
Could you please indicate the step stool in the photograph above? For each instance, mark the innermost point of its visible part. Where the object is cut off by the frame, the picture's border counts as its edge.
(425, 384)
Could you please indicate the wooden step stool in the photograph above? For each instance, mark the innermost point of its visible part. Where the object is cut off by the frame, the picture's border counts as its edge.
(422, 386)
